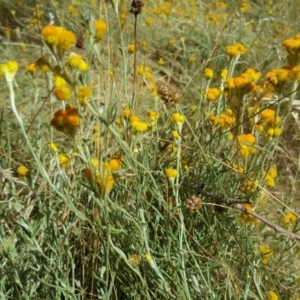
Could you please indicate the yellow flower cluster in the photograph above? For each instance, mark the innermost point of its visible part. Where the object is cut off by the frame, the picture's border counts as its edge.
(278, 77)
(102, 173)
(225, 119)
(76, 61)
(236, 49)
(250, 186)
(266, 253)
(22, 170)
(270, 177)
(272, 295)
(245, 217)
(268, 123)
(245, 142)
(9, 69)
(100, 27)
(59, 37)
(84, 94)
(62, 90)
(293, 44)
(145, 72)
(209, 73)
(289, 220)
(212, 94)
(171, 174)
(245, 82)
(138, 126)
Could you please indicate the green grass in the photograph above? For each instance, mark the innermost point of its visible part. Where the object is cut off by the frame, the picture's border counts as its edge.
(100, 217)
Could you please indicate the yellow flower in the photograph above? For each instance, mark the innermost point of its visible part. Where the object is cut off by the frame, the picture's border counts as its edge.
(175, 134)
(84, 94)
(31, 68)
(59, 81)
(161, 61)
(148, 256)
(75, 61)
(63, 93)
(194, 108)
(289, 220)
(22, 171)
(224, 73)
(291, 45)
(59, 37)
(66, 40)
(236, 49)
(177, 118)
(64, 160)
(105, 182)
(212, 94)
(192, 58)
(115, 164)
(126, 113)
(272, 295)
(145, 72)
(266, 253)
(50, 34)
(53, 147)
(209, 73)
(131, 48)
(9, 70)
(140, 126)
(172, 42)
(100, 29)
(148, 22)
(152, 115)
(245, 217)
(246, 138)
(171, 173)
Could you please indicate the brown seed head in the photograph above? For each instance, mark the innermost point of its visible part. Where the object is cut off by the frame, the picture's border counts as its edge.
(167, 94)
(136, 7)
(193, 204)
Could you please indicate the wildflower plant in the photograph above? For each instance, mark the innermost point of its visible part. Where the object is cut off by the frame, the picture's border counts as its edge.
(136, 166)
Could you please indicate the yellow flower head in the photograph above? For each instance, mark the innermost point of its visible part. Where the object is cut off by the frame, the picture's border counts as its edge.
(100, 29)
(84, 94)
(212, 94)
(75, 61)
(22, 171)
(177, 118)
(266, 253)
(63, 93)
(53, 147)
(245, 217)
(64, 160)
(289, 220)
(59, 37)
(272, 295)
(31, 68)
(291, 45)
(246, 138)
(131, 48)
(236, 49)
(66, 40)
(209, 73)
(171, 174)
(152, 115)
(9, 70)
(224, 73)
(140, 126)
